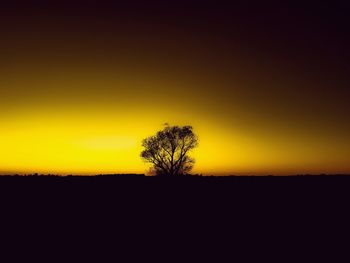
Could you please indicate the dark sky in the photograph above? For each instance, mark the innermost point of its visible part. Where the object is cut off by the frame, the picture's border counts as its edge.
(272, 72)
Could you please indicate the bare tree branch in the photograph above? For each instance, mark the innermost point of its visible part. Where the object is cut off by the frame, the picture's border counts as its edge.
(167, 150)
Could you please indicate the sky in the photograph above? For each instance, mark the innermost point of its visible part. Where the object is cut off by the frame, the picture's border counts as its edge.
(264, 85)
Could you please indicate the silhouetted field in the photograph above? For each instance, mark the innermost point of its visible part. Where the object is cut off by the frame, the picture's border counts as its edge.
(74, 175)
(137, 192)
(186, 176)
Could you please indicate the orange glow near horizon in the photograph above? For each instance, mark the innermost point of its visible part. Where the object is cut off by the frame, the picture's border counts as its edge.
(92, 123)
(79, 143)
(83, 82)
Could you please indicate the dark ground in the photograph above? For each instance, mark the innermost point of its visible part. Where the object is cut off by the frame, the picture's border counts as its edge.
(187, 176)
(183, 210)
(132, 186)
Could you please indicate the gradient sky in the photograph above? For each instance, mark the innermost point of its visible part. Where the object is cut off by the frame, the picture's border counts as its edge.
(265, 85)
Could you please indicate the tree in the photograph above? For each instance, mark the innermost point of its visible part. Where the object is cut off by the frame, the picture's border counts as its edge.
(168, 150)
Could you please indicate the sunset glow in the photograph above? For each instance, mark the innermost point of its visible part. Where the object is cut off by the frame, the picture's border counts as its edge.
(72, 142)
(81, 88)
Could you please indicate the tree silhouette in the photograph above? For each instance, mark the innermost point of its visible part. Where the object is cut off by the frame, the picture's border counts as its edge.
(168, 150)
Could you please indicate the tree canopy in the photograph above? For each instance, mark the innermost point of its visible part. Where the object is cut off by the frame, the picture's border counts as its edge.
(168, 150)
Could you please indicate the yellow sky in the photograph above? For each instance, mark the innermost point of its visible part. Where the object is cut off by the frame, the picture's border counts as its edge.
(80, 89)
(83, 141)
(82, 121)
